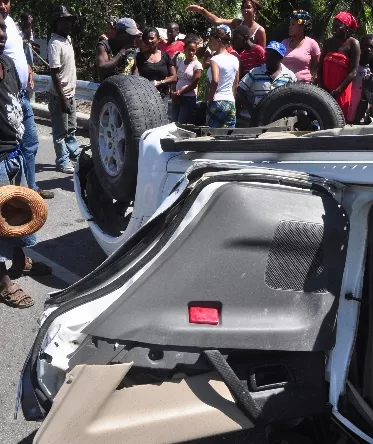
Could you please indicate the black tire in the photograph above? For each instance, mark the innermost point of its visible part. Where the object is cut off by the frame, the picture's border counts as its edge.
(282, 101)
(140, 108)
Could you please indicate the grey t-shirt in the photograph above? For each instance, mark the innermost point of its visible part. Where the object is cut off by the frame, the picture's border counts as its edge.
(61, 55)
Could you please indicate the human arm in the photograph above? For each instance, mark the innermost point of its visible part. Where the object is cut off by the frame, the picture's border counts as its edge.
(58, 87)
(193, 84)
(212, 18)
(367, 86)
(30, 77)
(353, 67)
(172, 77)
(321, 65)
(315, 59)
(235, 83)
(261, 37)
(104, 64)
(214, 81)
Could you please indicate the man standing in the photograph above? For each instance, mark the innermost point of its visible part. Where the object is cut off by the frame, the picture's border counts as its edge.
(116, 55)
(30, 142)
(173, 46)
(259, 81)
(12, 172)
(62, 105)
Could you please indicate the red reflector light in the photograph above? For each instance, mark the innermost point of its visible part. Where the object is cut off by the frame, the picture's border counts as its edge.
(203, 315)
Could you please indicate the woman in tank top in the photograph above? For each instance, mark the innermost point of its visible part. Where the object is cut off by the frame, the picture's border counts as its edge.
(223, 75)
(249, 10)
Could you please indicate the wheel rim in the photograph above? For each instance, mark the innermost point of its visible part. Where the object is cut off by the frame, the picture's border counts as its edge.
(289, 109)
(112, 140)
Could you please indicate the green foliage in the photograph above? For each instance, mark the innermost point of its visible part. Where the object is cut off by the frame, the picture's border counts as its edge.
(274, 17)
(275, 14)
(92, 14)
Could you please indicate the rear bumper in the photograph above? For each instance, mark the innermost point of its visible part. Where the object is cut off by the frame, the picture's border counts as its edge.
(31, 405)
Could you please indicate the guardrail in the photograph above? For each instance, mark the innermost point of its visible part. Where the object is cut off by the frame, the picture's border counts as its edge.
(84, 90)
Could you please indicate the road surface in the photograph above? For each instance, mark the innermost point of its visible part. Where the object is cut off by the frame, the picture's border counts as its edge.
(67, 244)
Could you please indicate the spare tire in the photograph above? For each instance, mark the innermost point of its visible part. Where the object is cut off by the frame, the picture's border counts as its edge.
(123, 108)
(285, 100)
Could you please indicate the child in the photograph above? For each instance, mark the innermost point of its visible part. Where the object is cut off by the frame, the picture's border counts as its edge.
(189, 71)
(250, 54)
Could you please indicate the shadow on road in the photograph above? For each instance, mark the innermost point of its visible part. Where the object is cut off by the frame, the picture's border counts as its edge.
(76, 251)
(28, 439)
(65, 183)
(40, 167)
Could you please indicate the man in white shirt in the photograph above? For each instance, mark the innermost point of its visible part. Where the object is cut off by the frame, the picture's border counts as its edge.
(30, 143)
(62, 106)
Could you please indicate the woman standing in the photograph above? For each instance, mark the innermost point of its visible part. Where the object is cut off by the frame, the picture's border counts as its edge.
(249, 10)
(189, 72)
(339, 60)
(223, 75)
(155, 65)
(302, 53)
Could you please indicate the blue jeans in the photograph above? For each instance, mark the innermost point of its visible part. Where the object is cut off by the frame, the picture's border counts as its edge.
(12, 172)
(181, 112)
(63, 131)
(30, 141)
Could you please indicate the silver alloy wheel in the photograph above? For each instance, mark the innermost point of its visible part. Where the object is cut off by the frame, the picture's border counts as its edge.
(111, 139)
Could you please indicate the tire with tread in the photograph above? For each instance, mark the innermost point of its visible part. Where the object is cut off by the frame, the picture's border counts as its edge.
(303, 96)
(141, 108)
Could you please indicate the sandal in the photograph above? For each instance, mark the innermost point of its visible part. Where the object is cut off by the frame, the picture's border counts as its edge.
(14, 296)
(31, 269)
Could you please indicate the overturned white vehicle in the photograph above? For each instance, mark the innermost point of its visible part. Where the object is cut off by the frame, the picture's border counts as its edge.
(239, 304)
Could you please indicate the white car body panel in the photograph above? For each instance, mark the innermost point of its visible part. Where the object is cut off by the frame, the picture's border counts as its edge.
(159, 172)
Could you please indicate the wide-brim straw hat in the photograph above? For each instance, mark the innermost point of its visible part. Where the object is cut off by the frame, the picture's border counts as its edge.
(22, 211)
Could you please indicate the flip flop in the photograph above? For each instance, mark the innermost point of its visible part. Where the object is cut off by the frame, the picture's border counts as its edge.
(14, 295)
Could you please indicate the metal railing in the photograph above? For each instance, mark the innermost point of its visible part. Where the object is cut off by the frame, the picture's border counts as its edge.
(84, 90)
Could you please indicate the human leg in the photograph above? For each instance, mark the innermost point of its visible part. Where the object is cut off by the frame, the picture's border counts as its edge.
(30, 143)
(59, 121)
(187, 106)
(71, 141)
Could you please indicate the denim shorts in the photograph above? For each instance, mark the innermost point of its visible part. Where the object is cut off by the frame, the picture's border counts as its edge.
(12, 172)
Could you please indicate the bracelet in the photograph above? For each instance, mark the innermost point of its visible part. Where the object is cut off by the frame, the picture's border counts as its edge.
(162, 82)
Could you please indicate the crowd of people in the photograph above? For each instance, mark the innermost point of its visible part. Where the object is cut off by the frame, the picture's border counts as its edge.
(241, 66)
(241, 69)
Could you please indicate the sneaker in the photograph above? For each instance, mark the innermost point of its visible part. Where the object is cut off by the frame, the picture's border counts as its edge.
(45, 194)
(69, 169)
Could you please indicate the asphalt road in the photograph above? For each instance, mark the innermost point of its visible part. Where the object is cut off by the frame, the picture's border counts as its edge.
(66, 241)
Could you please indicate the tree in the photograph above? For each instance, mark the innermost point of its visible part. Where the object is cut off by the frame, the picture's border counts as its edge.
(92, 14)
(275, 15)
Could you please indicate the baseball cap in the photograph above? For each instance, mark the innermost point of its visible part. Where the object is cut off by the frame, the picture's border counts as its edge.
(278, 47)
(61, 11)
(225, 28)
(128, 25)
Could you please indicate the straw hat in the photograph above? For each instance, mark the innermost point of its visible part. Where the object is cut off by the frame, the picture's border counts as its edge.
(22, 211)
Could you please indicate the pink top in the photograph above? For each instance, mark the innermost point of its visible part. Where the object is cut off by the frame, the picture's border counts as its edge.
(298, 60)
(185, 74)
